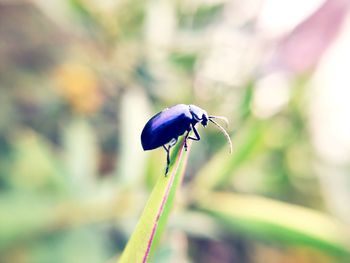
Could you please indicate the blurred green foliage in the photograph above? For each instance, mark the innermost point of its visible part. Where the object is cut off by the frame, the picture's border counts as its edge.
(78, 81)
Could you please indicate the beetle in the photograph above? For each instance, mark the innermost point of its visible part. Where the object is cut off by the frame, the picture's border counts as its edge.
(164, 128)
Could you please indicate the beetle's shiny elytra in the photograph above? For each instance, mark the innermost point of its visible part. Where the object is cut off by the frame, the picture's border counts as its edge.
(165, 127)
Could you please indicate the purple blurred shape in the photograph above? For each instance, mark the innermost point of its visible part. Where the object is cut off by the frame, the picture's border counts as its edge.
(301, 50)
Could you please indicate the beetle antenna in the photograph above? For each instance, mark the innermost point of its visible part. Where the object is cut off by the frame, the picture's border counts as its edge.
(224, 132)
(220, 118)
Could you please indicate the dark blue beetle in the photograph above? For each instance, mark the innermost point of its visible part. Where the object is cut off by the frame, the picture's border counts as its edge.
(165, 127)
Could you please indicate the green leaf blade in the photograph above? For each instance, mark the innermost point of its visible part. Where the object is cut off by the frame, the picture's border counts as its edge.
(277, 221)
(148, 231)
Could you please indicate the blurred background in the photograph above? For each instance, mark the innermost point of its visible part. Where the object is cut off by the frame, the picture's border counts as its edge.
(80, 78)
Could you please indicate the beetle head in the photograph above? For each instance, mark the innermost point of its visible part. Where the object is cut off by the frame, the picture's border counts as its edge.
(199, 115)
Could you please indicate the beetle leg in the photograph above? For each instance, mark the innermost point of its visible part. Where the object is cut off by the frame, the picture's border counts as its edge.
(167, 158)
(195, 133)
(186, 137)
(171, 144)
(189, 137)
